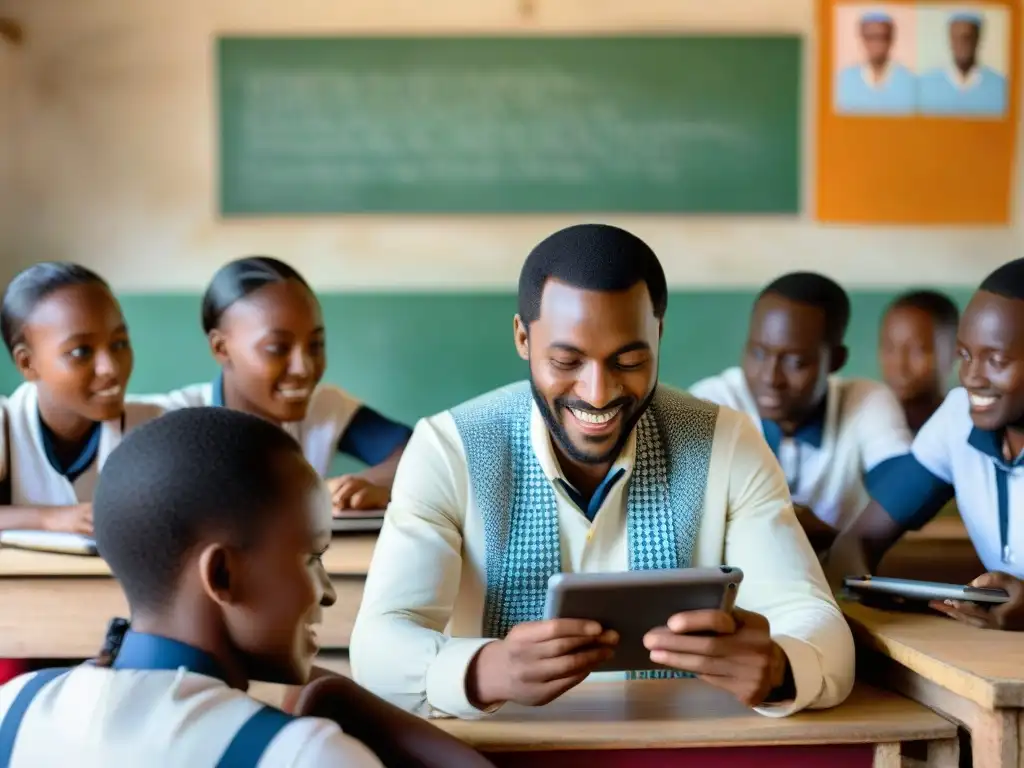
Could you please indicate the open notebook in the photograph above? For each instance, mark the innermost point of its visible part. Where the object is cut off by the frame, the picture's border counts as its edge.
(47, 541)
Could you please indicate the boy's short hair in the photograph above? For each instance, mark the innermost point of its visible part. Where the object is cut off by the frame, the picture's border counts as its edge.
(188, 474)
(818, 291)
(938, 306)
(1006, 281)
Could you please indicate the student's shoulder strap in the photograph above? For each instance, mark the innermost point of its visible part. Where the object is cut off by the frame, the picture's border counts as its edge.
(252, 739)
(19, 707)
(6, 492)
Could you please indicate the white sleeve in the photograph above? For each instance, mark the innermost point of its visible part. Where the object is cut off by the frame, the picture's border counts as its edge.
(713, 389)
(782, 578)
(310, 742)
(932, 445)
(399, 648)
(882, 428)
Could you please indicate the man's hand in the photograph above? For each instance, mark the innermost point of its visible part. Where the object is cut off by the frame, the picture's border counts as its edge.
(76, 519)
(1008, 616)
(537, 662)
(740, 657)
(351, 492)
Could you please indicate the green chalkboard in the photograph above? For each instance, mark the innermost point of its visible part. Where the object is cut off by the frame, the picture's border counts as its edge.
(641, 124)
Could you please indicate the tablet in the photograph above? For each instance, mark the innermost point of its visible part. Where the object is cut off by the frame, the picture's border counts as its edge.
(357, 522)
(49, 541)
(635, 602)
(923, 591)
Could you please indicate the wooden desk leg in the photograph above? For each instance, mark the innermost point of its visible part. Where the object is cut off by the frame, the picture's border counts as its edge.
(887, 756)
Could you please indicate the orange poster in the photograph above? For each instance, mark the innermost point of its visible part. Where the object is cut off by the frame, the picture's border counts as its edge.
(918, 106)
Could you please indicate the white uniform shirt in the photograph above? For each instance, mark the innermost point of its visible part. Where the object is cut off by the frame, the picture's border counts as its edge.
(833, 461)
(419, 625)
(97, 718)
(953, 457)
(35, 481)
(330, 412)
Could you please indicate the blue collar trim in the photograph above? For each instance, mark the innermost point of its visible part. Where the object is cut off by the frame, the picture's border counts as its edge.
(81, 462)
(811, 432)
(143, 651)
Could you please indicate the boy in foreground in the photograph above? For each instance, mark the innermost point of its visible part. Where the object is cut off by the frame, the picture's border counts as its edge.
(214, 524)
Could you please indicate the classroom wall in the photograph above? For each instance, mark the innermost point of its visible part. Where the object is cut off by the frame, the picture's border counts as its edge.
(117, 134)
(112, 164)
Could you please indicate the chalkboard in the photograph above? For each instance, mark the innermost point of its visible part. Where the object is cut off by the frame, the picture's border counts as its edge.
(638, 124)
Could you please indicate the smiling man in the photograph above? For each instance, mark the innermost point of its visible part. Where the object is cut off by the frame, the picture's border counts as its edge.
(590, 466)
(973, 449)
(832, 436)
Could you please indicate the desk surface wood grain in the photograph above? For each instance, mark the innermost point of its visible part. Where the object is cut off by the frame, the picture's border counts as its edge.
(348, 555)
(666, 714)
(982, 665)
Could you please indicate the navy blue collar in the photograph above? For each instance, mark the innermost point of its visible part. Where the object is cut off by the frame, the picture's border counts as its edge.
(811, 432)
(142, 651)
(217, 391)
(81, 462)
(991, 444)
(590, 508)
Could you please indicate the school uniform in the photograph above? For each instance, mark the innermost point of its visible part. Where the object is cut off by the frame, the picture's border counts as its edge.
(949, 92)
(858, 91)
(335, 422)
(836, 457)
(163, 703)
(952, 458)
(37, 477)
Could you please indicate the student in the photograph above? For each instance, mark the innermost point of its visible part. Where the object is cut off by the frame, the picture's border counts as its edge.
(916, 351)
(266, 332)
(879, 84)
(967, 86)
(832, 436)
(971, 449)
(225, 584)
(498, 494)
(68, 339)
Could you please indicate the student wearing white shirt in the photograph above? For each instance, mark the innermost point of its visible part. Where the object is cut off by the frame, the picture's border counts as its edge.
(833, 437)
(68, 339)
(267, 333)
(590, 466)
(917, 352)
(224, 580)
(971, 449)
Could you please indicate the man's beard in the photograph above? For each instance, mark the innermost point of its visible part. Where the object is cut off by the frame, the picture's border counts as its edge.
(631, 414)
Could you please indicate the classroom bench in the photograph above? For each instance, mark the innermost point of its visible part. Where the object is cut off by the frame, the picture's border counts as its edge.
(972, 676)
(57, 606)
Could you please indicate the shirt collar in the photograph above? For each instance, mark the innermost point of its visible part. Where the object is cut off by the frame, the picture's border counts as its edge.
(811, 432)
(868, 74)
(217, 391)
(962, 81)
(991, 444)
(143, 651)
(81, 462)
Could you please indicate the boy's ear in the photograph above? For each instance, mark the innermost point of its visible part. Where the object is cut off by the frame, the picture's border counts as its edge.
(840, 356)
(220, 572)
(23, 362)
(521, 336)
(218, 347)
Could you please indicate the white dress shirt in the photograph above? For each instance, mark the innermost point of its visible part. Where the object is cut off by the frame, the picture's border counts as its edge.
(419, 626)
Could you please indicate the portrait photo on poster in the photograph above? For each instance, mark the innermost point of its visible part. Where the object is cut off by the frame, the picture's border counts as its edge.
(875, 59)
(963, 60)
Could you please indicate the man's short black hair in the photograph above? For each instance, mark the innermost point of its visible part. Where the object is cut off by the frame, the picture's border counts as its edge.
(593, 257)
(819, 291)
(186, 475)
(938, 306)
(1007, 280)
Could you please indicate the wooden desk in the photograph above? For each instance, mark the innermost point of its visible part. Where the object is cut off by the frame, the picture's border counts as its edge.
(58, 606)
(643, 724)
(972, 676)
